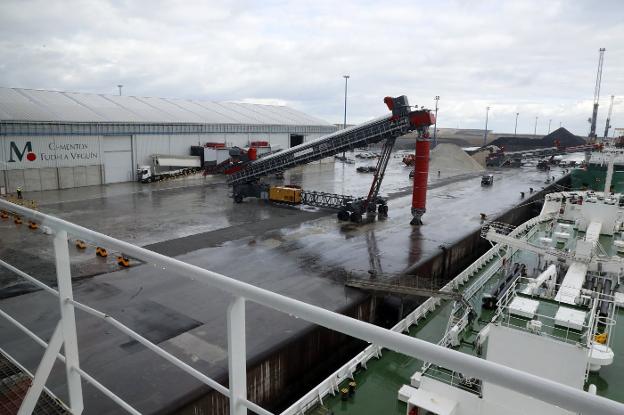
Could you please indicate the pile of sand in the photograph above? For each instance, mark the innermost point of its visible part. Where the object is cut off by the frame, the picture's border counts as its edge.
(451, 160)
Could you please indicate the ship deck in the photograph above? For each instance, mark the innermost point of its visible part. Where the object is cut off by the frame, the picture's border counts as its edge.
(378, 384)
(299, 252)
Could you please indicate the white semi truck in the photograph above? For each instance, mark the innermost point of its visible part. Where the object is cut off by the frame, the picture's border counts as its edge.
(212, 157)
(167, 166)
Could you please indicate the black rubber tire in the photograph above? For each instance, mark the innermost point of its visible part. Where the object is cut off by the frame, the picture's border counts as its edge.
(238, 199)
(343, 215)
(356, 217)
(382, 210)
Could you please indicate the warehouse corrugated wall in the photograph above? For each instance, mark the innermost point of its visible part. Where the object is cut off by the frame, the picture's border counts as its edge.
(56, 139)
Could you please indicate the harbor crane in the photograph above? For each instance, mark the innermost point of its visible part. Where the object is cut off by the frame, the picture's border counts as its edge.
(608, 123)
(245, 178)
(592, 120)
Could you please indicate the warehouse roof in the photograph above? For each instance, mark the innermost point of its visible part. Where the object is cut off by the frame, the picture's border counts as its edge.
(17, 104)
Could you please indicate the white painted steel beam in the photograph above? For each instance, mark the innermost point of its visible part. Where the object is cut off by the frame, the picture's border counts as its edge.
(545, 390)
(30, 279)
(43, 371)
(112, 321)
(156, 349)
(68, 321)
(237, 356)
(82, 373)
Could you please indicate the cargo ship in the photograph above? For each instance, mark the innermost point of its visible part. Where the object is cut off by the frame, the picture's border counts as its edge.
(593, 173)
(545, 299)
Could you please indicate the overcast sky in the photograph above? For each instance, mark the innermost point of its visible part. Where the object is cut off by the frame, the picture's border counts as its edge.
(538, 58)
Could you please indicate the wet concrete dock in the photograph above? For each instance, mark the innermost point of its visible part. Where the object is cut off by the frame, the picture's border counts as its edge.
(300, 252)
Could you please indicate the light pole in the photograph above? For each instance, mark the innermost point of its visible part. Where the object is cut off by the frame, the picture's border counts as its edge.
(344, 124)
(516, 127)
(119, 86)
(435, 124)
(535, 129)
(549, 122)
(487, 112)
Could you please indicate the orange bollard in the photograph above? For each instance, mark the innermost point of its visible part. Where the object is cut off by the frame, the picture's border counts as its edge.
(123, 261)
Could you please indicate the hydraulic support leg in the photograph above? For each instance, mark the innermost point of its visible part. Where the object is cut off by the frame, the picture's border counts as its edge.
(386, 151)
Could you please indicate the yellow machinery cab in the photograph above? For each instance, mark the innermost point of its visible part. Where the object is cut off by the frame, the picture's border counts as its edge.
(285, 194)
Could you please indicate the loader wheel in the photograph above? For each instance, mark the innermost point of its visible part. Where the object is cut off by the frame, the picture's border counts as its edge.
(238, 199)
(343, 215)
(356, 217)
(383, 210)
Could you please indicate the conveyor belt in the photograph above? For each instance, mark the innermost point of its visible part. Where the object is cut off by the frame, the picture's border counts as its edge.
(358, 136)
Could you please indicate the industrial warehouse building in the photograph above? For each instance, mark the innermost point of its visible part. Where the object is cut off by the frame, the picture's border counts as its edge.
(57, 140)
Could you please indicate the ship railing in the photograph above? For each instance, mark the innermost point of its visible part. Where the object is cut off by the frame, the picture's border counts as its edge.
(456, 379)
(329, 386)
(511, 230)
(65, 334)
(566, 335)
(465, 306)
(498, 227)
(469, 293)
(549, 328)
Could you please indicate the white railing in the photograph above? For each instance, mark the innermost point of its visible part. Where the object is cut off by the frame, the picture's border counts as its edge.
(65, 334)
(587, 330)
(346, 371)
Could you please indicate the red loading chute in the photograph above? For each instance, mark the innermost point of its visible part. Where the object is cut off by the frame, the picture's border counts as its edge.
(421, 175)
(421, 120)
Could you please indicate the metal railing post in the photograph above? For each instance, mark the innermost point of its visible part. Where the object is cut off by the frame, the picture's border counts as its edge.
(42, 373)
(68, 321)
(237, 356)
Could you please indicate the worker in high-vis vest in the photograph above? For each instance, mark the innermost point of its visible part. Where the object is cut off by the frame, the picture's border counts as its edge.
(19, 192)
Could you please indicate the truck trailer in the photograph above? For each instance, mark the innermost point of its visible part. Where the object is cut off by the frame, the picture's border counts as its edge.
(168, 166)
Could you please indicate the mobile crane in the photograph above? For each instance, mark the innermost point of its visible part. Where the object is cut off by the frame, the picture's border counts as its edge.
(245, 177)
(594, 117)
(608, 123)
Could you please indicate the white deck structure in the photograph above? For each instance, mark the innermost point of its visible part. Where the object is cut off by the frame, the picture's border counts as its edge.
(572, 283)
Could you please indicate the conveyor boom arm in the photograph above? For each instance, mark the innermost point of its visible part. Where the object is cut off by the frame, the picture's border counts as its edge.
(399, 123)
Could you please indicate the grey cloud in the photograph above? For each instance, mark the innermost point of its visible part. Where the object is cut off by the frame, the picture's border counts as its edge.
(528, 56)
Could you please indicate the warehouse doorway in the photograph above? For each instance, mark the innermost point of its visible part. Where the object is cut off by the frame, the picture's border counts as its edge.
(295, 140)
(118, 159)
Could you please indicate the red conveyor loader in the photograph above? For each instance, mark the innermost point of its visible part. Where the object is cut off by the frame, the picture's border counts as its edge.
(421, 175)
(245, 181)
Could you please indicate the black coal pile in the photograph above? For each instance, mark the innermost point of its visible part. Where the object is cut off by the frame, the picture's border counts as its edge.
(565, 138)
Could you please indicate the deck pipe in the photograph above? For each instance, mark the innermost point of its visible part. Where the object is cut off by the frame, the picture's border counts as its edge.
(421, 175)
